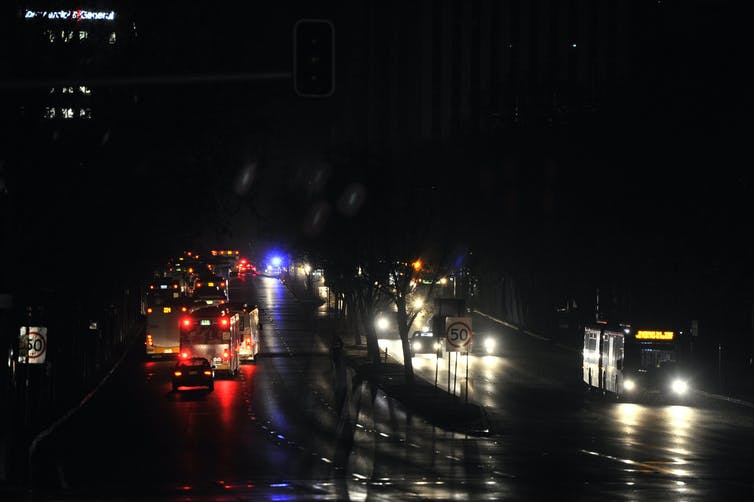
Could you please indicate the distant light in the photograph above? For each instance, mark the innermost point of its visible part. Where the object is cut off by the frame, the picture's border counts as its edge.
(573, 45)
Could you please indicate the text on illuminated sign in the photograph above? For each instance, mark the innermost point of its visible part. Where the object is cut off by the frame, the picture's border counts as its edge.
(654, 335)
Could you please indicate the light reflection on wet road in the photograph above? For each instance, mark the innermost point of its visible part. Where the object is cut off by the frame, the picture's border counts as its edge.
(276, 430)
(619, 449)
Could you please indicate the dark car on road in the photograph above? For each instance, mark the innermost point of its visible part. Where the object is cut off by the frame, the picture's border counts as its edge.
(425, 342)
(193, 372)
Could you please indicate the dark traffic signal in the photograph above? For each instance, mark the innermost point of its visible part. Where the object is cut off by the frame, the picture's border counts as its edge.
(314, 58)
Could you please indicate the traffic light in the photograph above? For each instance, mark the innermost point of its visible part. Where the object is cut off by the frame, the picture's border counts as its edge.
(314, 58)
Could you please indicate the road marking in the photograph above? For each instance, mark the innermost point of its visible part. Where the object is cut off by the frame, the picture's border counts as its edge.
(651, 466)
(725, 398)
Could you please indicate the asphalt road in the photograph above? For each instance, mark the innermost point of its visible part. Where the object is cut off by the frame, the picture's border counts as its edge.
(277, 431)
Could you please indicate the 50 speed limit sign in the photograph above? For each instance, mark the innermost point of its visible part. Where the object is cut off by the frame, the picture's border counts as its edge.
(458, 334)
(32, 344)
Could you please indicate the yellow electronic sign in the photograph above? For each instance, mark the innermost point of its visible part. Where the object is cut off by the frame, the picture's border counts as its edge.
(654, 335)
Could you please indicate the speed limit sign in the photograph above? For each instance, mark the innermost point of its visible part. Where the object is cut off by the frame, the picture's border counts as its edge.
(458, 334)
(32, 344)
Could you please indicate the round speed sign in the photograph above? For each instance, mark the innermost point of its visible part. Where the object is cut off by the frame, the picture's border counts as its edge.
(33, 344)
(458, 333)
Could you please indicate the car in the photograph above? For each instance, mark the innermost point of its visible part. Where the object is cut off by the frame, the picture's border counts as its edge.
(246, 268)
(424, 342)
(193, 372)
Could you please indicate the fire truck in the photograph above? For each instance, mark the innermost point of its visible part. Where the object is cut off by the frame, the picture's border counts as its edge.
(206, 332)
(244, 321)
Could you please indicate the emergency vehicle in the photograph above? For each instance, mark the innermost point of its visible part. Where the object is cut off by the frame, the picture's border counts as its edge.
(244, 321)
(206, 332)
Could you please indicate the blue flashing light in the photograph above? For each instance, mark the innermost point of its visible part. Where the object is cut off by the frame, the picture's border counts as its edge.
(276, 261)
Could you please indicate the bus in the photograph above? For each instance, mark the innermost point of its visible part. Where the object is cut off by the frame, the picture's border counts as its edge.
(205, 332)
(223, 262)
(160, 291)
(635, 363)
(244, 320)
(162, 337)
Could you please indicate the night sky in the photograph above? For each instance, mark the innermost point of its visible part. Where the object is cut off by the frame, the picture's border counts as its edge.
(638, 175)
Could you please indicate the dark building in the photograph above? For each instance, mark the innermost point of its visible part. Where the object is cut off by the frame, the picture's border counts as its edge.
(60, 101)
(67, 54)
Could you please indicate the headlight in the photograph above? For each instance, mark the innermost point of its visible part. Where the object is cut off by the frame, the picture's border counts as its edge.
(417, 345)
(679, 386)
(382, 324)
(489, 344)
(629, 385)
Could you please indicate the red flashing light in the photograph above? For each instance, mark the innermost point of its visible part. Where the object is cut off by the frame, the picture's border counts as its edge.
(226, 355)
(186, 322)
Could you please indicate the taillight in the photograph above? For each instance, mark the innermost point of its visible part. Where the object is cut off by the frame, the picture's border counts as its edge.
(224, 322)
(226, 355)
(186, 322)
(207, 372)
(184, 355)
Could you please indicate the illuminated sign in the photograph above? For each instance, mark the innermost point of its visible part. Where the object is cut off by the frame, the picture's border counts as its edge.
(654, 335)
(73, 15)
